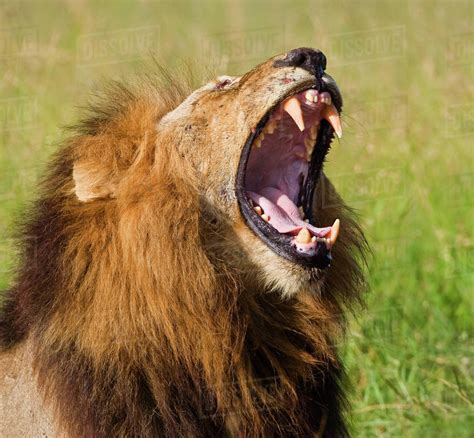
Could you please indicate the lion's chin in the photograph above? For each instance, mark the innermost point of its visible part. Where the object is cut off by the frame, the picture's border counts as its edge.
(289, 279)
(272, 273)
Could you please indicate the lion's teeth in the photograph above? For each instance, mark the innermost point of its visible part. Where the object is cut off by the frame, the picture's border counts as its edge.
(270, 127)
(313, 239)
(331, 114)
(304, 236)
(311, 96)
(277, 115)
(259, 140)
(258, 209)
(265, 217)
(293, 107)
(325, 98)
(333, 234)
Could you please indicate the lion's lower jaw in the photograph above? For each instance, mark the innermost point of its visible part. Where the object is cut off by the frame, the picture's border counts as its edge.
(274, 273)
(289, 280)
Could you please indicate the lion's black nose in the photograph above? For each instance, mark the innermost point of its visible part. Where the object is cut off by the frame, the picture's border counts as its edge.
(311, 60)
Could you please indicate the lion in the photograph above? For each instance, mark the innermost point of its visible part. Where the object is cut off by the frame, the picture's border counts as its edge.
(187, 267)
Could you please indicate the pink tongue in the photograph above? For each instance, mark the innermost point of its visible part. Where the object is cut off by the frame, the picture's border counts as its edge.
(283, 213)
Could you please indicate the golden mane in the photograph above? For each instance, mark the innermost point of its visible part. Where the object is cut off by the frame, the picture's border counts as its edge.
(138, 328)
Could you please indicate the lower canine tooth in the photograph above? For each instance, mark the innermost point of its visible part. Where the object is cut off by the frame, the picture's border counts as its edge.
(265, 217)
(304, 236)
(333, 234)
(258, 209)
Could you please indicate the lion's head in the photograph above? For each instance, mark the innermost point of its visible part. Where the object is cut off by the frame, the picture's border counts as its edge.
(254, 146)
(183, 257)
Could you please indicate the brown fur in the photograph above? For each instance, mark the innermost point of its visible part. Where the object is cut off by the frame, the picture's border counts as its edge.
(146, 303)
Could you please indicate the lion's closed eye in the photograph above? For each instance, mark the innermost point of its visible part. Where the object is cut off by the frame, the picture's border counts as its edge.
(224, 81)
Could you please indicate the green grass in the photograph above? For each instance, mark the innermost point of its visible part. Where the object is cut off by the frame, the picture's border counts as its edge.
(405, 161)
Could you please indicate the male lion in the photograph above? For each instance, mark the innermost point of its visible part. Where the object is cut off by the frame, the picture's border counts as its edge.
(178, 276)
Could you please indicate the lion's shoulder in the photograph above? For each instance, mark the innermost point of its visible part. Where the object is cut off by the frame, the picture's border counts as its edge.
(22, 412)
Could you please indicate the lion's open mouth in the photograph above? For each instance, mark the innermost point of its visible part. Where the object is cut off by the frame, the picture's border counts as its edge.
(280, 166)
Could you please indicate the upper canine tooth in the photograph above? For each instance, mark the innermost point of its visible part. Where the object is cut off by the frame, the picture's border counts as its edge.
(331, 114)
(304, 236)
(293, 107)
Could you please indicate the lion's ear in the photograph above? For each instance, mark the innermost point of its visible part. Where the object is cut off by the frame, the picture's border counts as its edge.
(93, 181)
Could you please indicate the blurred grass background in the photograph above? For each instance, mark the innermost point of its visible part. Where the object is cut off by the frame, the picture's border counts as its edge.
(405, 162)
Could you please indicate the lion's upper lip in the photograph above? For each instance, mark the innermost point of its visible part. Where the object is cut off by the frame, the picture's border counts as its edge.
(279, 171)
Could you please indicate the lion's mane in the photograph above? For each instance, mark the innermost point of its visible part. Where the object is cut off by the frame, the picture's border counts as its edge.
(138, 328)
